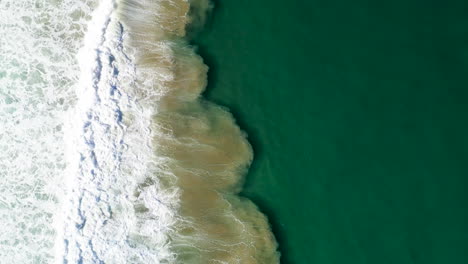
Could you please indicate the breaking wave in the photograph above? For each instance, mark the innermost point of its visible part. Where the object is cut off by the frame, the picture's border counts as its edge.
(149, 172)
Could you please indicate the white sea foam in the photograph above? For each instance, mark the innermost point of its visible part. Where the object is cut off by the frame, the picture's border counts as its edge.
(107, 155)
(38, 70)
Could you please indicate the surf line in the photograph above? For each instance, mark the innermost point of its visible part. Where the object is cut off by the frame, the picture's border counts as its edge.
(154, 170)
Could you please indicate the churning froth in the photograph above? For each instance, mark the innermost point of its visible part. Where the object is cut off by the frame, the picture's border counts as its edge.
(38, 72)
(153, 170)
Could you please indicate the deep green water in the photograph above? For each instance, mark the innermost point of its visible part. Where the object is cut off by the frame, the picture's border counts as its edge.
(357, 111)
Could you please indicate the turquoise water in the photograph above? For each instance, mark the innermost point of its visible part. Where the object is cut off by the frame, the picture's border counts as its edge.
(358, 118)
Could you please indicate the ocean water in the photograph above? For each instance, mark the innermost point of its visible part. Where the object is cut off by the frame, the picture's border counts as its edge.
(357, 114)
(110, 155)
(344, 122)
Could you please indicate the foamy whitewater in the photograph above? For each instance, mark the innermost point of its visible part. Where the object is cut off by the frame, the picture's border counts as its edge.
(38, 72)
(110, 155)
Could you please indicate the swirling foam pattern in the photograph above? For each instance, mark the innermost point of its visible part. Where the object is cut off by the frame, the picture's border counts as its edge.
(152, 170)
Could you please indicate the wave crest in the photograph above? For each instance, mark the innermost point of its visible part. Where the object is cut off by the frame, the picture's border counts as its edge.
(179, 161)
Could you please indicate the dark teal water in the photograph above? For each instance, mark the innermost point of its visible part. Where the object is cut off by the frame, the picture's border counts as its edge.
(357, 111)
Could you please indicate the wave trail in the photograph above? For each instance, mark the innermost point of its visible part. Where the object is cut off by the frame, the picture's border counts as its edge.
(154, 169)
